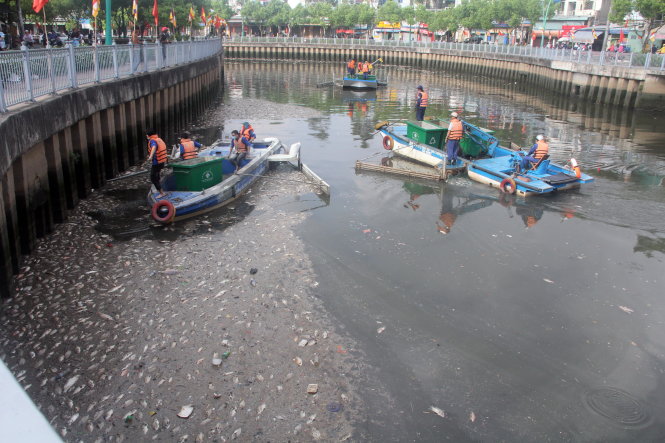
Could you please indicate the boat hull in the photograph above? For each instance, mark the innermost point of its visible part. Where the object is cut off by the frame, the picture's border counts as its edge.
(357, 83)
(190, 204)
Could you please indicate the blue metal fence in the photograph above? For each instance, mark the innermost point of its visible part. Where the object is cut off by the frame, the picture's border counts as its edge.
(31, 73)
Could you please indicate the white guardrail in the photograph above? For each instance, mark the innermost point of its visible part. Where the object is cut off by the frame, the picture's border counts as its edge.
(627, 60)
(31, 73)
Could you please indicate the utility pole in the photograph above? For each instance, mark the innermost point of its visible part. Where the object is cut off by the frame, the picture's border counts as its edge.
(109, 37)
(607, 27)
(547, 11)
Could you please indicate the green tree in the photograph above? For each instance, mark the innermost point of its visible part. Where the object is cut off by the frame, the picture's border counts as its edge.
(650, 10)
(390, 11)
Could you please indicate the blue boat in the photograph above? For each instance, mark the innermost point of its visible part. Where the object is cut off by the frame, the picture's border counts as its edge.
(208, 182)
(501, 168)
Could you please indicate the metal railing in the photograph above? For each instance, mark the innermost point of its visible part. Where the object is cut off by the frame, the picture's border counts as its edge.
(31, 73)
(627, 60)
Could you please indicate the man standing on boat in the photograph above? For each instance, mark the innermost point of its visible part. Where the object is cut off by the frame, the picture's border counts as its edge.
(241, 146)
(188, 147)
(248, 132)
(539, 150)
(421, 103)
(351, 67)
(455, 134)
(157, 157)
(364, 68)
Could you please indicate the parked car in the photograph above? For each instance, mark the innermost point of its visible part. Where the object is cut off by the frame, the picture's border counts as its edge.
(475, 39)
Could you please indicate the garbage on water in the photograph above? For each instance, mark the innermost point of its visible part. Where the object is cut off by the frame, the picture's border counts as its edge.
(226, 354)
(381, 329)
(253, 271)
(186, 411)
(334, 407)
(472, 417)
(312, 388)
(438, 411)
(216, 360)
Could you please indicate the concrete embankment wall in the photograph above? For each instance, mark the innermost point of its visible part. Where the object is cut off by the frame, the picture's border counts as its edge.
(604, 85)
(55, 151)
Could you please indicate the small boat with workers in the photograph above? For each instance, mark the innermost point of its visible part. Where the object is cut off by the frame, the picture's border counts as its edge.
(484, 160)
(207, 182)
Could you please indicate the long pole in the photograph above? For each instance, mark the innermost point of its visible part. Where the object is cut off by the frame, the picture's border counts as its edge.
(109, 37)
(607, 28)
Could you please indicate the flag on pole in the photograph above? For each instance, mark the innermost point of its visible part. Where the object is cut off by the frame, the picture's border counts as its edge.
(192, 14)
(652, 36)
(593, 32)
(203, 15)
(172, 18)
(155, 13)
(218, 22)
(37, 5)
(621, 36)
(135, 9)
(95, 8)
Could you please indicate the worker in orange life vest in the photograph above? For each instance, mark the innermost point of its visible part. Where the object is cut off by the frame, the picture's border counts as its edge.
(157, 157)
(351, 67)
(247, 131)
(364, 68)
(453, 137)
(241, 146)
(422, 100)
(537, 151)
(188, 147)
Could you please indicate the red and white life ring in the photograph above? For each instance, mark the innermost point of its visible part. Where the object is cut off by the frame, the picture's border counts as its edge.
(576, 168)
(160, 215)
(388, 143)
(508, 185)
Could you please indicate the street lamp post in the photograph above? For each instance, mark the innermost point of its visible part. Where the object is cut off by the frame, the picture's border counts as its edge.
(547, 11)
(109, 37)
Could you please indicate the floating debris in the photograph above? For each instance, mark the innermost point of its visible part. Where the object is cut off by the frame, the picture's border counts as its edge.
(216, 360)
(626, 309)
(186, 411)
(438, 411)
(312, 388)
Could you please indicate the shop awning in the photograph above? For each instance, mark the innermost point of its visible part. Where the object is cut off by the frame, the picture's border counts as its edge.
(583, 37)
(660, 33)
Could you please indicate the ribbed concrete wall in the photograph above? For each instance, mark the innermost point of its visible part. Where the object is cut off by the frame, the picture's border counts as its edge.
(52, 153)
(604, 85)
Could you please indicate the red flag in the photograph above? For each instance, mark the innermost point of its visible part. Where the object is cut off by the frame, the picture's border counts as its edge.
(155, 13)
(37, 5)
(203, 15)
(621, 36)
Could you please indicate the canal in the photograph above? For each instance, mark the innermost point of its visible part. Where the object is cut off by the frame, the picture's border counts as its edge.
(529, 320)
(520, 320)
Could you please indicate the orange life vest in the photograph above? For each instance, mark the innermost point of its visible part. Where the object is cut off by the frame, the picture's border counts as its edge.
(424, 99)
(542, 149)
(351, 64)
(189, 150)
(365, 67)
(457, 131)
(245, 132)
(160, 154)
(240, 146)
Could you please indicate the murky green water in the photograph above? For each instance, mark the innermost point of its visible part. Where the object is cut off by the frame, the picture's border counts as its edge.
(524, 320)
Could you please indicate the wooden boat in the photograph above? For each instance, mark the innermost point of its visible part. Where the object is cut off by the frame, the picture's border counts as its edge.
(207, 182)
(358, 81)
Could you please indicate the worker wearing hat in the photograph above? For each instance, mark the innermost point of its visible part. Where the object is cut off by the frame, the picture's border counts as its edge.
(421, 103)
(453, 137)
(539, 150)
(248, 132)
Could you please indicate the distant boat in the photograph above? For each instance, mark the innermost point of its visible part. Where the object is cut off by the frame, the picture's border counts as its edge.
(207, 182)
(358, 81)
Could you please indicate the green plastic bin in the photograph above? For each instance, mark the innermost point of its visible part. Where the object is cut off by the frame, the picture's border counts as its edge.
(425, 132)
(197, 174)
(473, 148)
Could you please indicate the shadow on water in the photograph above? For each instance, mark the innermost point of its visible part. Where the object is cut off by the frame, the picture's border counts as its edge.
(126, 216)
